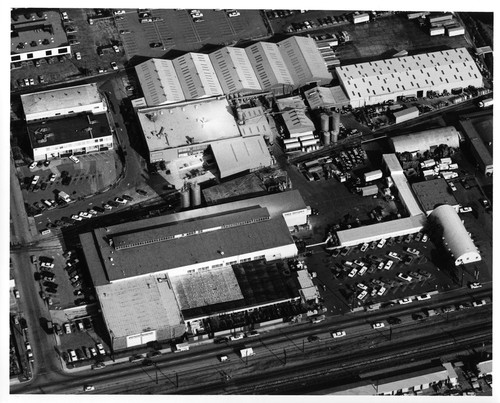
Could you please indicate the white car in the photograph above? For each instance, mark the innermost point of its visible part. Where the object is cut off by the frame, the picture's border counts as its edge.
(88, 388)
(93, 352)
(114, 66)
(28, 345)
(72, 355)
(196, 14)
(362, 286)
(465, 209)
(32, 166)
(394, 255)
(233, 13)
(378, 325)
(318, 319)
(359, 263)
(116, 49)
(425, 238)
(65, 16)
(74, 159)
(404, 277)
(78, 56)
(405, 301)
(452, 187)
(363, 270)
(364, 247)
(388, 265)
(340, 333)
(76, 217)
(120, 200)
(479, 303)
(118, 12)
(423, 297)
(84, 214)
(381, 243)
(362, 295)
(412, 251)
(352, 273)
(475, 285)
(92, 211)
(52, 177)
(380, 266)
(100, 348)
(237, 336)
(382, 291)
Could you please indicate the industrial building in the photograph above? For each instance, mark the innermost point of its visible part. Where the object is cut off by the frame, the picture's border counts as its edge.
(37, 35)
(424, 140)
(482, 153)
(159, 82)
(270, 67)
(448, 226)
(304, 61)
(326, 97)
(406, 114)
(434, 193)
(63, 102)
(67, 121)
(374, 82)
(149, 278)
(235, 72)
(197, 76)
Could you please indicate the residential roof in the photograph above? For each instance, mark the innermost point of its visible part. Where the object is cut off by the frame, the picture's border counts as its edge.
(197, 76)
(234, 70)
(424, 140)
(47, 28)
(434, 192)
(255, 122)
(241, 154)
(187, 123)
(326, 97)
(61, 98)
(427, 70)
(108, 264)
(304, 60)
(269, 66)
(140, 305)
(159, 82)
(382, 230)
(73, 128)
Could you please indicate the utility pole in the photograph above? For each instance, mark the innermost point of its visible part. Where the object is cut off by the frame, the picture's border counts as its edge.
(284, 353)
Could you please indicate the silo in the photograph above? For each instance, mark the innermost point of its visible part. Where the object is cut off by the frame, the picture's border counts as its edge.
(325, 138)
(185, 201)
(239, 116)
(324, 122)
(195, 195)
(334, 134)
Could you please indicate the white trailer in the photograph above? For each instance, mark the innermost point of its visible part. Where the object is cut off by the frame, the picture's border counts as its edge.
(373, 175)
(449, 174)
(434, 31)
(64, 196)
(427, 164)
(246, 352)
(369, 190)
(486, 102)
(359, 18)
(455, 31)
(181, 347)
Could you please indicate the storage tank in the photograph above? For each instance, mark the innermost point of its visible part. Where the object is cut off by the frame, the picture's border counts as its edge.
(325, 138)
(185, 201)
(325, 122)
(239, 116)
(195, 195)
(334, 136)
(335, 126)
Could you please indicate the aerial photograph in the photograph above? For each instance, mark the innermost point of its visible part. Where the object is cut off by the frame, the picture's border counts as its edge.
(250, 202)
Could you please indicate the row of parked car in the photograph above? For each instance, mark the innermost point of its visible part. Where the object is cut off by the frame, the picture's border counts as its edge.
(84, 353)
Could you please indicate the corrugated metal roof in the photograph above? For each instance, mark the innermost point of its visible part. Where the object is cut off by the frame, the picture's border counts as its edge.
(422, 141)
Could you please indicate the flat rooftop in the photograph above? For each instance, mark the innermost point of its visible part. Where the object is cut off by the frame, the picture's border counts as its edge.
(178, 244)
(139, 305)
(45, 133)
(479, 130)
(434, 192)
(62, 98)
(45, 30)
(172, 126)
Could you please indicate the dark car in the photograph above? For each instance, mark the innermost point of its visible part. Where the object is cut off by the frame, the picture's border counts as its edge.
(393, 320)
(147, 362)
(154, 353)
(80, 301)
(312, 338)
(43, 186)
(86, 352)
(66, 180)
(142, 192)
(50, 284)
(79, 354)
(127, 197)
(99, 209)
(220, 340)
(155, 45)
(87, 323)
(113, 203)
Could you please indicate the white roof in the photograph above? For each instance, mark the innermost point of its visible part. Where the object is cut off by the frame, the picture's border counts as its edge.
(326, 97)
(62, 98)
(382, 230)
(297, 121)
(428, 70)
(392, 164)
(422, 141)
(256, 122)
(455, 236)
(295, 101)
(406, 195)
(197, 76)
(234, 70)
(304, 278)
(187, 123)
(304, 60)
(269, 65)
(139, 304)
(159, 82)
(240, 154)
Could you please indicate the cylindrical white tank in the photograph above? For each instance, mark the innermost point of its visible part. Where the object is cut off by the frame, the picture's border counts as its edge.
(325, 122)
(195, 195)
(325, 136)
(334, 137)
(185, 200)
(336, 121)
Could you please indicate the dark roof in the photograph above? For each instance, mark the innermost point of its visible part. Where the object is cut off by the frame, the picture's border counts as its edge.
(107, 264)
(68, 129)
(433, 192)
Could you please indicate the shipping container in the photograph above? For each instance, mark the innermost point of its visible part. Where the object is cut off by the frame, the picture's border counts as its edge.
(358, 19)
(369, 190)
(446, 160)
(428, 164)
(455, 31)
(449, 174)
(373, 175)
(434, 31)
(486, 102)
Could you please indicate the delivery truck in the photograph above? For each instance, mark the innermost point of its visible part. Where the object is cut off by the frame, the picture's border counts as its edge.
(64, 196)
(369, 190)
(486, 102)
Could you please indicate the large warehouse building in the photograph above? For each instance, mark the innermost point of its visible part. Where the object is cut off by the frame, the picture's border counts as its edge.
(454, 235)
(65, 121)
(481, 150)
(151, 275)
(423, 141)
(374, 82)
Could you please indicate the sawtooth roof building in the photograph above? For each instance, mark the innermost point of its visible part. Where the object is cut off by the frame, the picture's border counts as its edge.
(269, 66)
(159, 82)
(151, 275)
(304, 61)
(383, 80)
(235, 72)
(197, 76)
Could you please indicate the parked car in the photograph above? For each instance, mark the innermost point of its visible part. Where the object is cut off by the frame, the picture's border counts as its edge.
(475, 285)
(74, 159)
(378, 325)
(338, 334)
